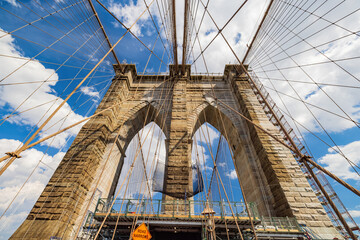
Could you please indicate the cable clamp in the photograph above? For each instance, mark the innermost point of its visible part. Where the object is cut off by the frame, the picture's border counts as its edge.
(13, 154)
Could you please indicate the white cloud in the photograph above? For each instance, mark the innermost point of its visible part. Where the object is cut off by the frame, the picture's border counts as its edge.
(338, 165)
(9, 224)
(221, 164)
(90, 91)
(128, 14)
(13, 2)
(355, 213)
(12, 96)
(346, 48)
(12, 180)
(232, 174)
(206, 134)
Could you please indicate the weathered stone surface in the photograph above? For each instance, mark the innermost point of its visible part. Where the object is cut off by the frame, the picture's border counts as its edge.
(268, 172)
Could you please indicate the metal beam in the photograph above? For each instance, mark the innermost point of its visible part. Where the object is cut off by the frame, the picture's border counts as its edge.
(258, 29)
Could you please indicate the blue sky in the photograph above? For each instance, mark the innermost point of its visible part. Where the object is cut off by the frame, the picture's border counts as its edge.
(28, 43)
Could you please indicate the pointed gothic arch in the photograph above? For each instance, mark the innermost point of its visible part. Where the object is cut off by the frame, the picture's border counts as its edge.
(246, 162)
(135, 120)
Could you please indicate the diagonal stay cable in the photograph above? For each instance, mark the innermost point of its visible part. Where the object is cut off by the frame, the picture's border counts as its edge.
(219, 29)
(18, 151)
(129, 30)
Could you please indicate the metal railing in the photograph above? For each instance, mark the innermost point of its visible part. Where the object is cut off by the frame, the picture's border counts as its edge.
(172, 208)
(279, 224)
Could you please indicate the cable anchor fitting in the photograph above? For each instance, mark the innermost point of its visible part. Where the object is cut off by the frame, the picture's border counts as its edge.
(13, 154)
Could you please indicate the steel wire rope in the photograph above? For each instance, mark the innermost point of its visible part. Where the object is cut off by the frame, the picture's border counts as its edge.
(308, 107)
(266, 23)
(41, 18)
(333, 23)
(45, 48)
(76, 147)
(166, 23)
(306, 64)
(198, 29)
(55, 71)
(63, 79)
(318, 31)
(42, 104)
(82, 104)
(320, 52)
(280, 31)
(144, 140)
(219, 30)
(70, 16)
(319, 17)
(316, 136)
(98, 23)
(134, 35)
(141, 145)
(244, 197)
(64, 101)
(279, 92)
(296, 81)
(4, 119)
(32, 172)
(307, 103)
(306, 50)
(235, 56)
(331, 211)
(40, 61)
(54, 27)
(192, 26)
(316, 119)
(129, 172)
(9, 162)
(157, 30)
(297, 127)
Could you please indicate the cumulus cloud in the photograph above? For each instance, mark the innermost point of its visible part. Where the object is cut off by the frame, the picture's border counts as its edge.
(90, 91)
(232, 174)
(45, 98)
(13, 2)
(128, 14)
(338, 165)
(203, 138)
(281, 58)
(12, 180)
(355, 213)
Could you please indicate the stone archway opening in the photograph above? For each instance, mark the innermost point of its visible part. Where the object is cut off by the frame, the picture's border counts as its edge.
(212, 155)
(145, 152)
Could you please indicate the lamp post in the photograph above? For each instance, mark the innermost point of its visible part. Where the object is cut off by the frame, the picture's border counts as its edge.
(210, 223)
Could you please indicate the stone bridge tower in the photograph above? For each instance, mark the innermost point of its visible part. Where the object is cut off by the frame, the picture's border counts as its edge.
(178, 104)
